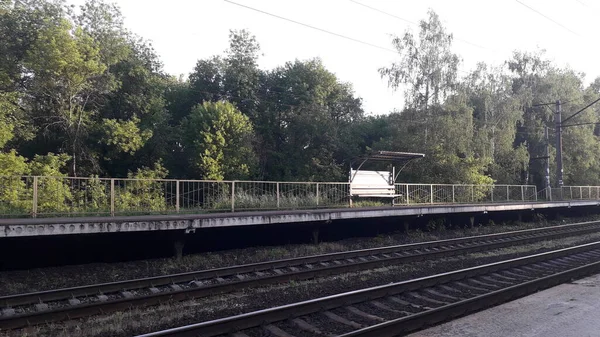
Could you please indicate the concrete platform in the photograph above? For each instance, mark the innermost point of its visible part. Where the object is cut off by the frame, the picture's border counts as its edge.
(568, 310)
(191, 222)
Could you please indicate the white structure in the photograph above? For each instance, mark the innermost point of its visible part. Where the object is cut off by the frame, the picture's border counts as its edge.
(378, 184)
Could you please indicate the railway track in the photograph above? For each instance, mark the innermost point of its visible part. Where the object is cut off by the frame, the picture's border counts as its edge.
(402, 307)
(69, 303)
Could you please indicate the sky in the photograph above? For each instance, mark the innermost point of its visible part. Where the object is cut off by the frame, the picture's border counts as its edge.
(183, 31)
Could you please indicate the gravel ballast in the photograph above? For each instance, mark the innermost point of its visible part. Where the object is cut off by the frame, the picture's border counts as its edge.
(15, 282)
(169, 315)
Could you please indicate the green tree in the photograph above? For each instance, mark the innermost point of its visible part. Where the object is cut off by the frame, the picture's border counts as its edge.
(497, 113)
(427, 64)
(64, 65)
(304, 123)
(218, 140)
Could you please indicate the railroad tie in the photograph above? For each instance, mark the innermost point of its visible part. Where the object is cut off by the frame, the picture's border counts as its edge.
(239, 334)
(277, 331)
(126, 294)
(342, 320)
(426, 299)
(450, 289)
(74, 301)
(493, 280)
(407, 304)
(442, 295)
(504, 277)
(485, 284)
(363, 314)
(8, 312)
(382, 306)
(41, 307)
(304, 325)
(471, 287)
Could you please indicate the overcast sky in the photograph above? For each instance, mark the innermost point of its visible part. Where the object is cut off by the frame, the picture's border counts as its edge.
(183, 31)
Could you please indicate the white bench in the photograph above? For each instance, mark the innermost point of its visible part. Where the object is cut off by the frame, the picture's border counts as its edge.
(372, 184)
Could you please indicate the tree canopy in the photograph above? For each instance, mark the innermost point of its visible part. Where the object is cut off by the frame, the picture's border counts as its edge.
(81, 95)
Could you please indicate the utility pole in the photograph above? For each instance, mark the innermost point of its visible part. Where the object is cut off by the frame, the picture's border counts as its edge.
(559, 160)
(548, 187)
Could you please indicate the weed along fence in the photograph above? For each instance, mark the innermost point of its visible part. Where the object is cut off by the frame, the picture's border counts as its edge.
(65, 196)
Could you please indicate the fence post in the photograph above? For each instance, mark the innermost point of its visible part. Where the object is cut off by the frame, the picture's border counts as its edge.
(177, 196)
(453, 194)
(407, 201)
(580, 193)
(507, 193)
(472, 193)
(233, 196)
(431, 192)
(277, 193)
(522, 193)
(571, 192)
(112, 197)
(317, 194)
(34, 206)
(493, 193)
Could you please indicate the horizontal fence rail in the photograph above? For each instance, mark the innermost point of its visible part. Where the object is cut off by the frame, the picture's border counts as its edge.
(40, 196)
(570, 193)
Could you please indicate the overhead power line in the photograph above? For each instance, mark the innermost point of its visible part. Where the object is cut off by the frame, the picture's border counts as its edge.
(547, 17)
(312, 27)
(580, 110)
(551, 103)
(385, 13)
(414, 23)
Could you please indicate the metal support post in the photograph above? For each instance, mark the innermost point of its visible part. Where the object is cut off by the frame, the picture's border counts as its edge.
(317, 194)
(407, 201)
(522, 193)
(507, 193)
(492, 194)
(431, 192)
(112, 197)
(571, 192)
(34, 206)
(548, 188)
(177, 196)
(233, 196)
(559, 157)
(472, 193)
(453, 199)
(277, 191)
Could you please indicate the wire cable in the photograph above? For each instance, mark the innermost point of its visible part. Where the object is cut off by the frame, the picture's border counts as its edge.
(313, 27)
(547, 17)
(580, 110)
(415, 24)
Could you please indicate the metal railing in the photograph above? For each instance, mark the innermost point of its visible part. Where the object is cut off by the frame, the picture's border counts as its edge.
(37, 196)
(570, 193)
(449, 194)
(66, 196)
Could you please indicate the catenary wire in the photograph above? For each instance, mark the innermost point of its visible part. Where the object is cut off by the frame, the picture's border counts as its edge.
(312, 27)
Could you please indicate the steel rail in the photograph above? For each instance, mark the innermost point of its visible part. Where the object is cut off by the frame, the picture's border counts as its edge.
(397, 254)
(415, 321)
(109, 287)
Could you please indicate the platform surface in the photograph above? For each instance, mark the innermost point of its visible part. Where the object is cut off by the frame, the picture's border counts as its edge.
(567, 310)
(191, 222)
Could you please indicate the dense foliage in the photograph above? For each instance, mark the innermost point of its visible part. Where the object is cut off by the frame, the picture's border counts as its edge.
(80, 95)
